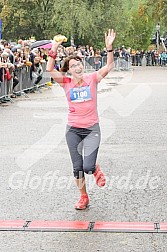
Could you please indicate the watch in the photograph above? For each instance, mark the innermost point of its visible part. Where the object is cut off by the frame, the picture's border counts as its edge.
(110, 50)
(52, 54)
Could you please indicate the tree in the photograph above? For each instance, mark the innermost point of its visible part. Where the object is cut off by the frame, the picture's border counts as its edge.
(86, 20)
(156, 9)
(30, 18)
(72, 18)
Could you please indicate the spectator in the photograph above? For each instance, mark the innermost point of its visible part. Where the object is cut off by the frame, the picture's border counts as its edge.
(37, 71)
(138, 58)
(163, 57)
(156, 58)
(104, 56)
(97, 60)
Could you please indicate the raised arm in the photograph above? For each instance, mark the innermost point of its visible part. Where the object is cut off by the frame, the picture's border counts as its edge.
(56, 75)
(109, 39)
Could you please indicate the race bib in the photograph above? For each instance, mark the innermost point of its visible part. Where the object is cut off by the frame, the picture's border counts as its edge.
(80, 94)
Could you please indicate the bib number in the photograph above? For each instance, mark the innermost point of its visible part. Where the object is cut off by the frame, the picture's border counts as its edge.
(80, 94)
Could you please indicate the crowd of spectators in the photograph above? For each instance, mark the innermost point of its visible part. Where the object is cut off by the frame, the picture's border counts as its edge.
(141, 57)
(15, 55)
(152, 58)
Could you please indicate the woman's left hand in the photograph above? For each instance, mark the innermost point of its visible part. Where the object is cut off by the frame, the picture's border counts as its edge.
(109, 38)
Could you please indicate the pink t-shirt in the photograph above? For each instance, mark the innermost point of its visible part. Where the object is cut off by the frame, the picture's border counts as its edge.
(82, 101)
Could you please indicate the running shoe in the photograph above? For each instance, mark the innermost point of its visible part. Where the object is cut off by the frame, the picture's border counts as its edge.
(99, 177)
(83, 202)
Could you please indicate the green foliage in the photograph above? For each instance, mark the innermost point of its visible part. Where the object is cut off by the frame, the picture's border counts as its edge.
(84, 20)
(157, 10)
(23, 18)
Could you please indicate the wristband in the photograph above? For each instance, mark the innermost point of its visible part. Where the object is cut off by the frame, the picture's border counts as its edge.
(52, 54)
(110, 50)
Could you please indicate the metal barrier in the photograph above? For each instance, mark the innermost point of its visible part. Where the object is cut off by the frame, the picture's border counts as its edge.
(6, 86)
(95, 63)
(2, 84)
(25, 82)
(122, 63)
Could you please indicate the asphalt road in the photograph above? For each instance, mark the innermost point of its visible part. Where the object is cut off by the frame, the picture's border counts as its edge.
(36, 178)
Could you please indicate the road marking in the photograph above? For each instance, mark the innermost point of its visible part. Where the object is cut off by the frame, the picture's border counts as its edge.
(83, 226)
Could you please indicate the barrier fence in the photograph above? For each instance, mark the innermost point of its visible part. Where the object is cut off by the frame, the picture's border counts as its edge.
(120, 63)
(27, 84)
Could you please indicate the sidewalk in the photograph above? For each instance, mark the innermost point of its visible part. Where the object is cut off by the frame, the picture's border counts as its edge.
(36, 174)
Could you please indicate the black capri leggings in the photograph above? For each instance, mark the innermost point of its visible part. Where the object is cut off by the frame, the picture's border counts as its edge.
(83, 144)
